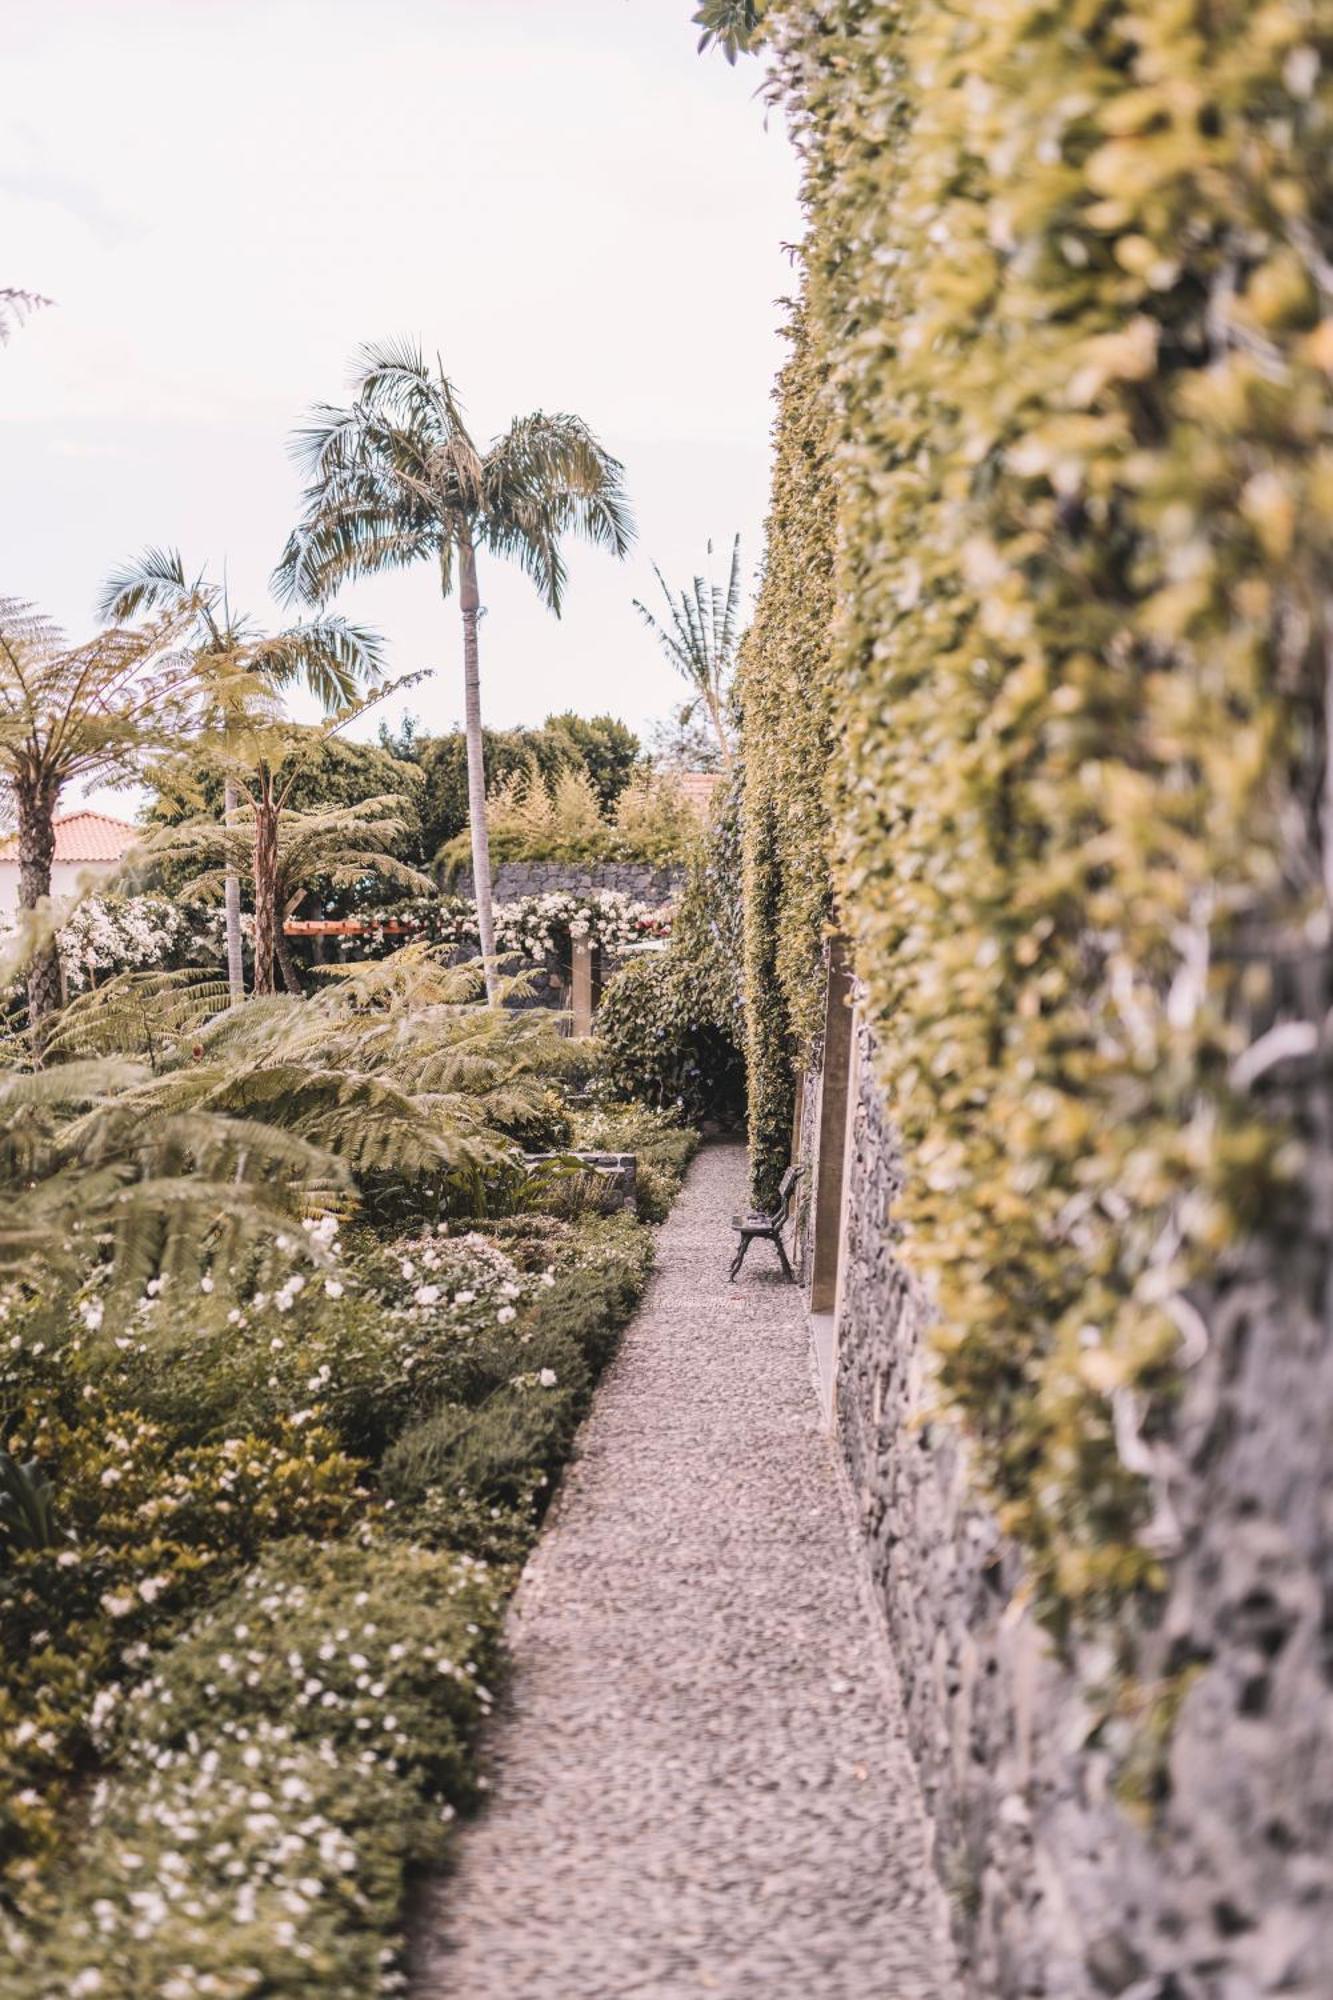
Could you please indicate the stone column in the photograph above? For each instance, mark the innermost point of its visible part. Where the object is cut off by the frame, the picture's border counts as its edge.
(581, 996)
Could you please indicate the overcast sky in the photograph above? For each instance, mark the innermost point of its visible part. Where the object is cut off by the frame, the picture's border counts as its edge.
(225, 197)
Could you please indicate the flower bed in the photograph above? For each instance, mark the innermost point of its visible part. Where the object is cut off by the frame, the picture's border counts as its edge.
(248, 1672)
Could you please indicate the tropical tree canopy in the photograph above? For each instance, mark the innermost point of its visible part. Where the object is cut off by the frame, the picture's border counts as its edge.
(700, 639)
(242, 667)
(78, 712)
(734, 26)
(397, 478)
(336, 846)
(331, 657)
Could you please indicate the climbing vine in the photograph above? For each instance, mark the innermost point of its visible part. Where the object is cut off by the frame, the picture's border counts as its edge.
(1070, 282)
(785, 703)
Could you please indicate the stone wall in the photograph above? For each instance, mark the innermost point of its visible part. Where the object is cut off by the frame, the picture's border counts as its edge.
(1174, 1847)
(512, 880)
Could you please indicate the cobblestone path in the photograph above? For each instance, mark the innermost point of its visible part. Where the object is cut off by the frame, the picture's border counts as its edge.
(699, 1782)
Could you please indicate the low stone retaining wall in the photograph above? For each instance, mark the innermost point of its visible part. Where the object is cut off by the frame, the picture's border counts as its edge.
(1085, 1854)
(512, 880)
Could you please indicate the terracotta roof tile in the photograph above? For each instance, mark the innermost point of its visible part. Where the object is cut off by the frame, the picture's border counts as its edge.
(83, 836)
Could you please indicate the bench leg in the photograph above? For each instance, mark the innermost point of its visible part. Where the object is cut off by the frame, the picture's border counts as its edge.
(738, 1259)
(784, 1260)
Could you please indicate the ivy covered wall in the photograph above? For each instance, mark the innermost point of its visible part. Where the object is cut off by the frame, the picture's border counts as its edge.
(785, 697)
(1064, 362)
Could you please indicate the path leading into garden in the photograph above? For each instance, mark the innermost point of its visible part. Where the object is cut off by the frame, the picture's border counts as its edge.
(700, 1784)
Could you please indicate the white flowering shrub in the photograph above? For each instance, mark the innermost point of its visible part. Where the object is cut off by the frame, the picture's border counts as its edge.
(533, 927)
(285, 1762)
(110, 934)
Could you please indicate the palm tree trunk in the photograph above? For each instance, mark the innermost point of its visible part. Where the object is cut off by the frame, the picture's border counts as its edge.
(231, 800)
(470, 604)
(714, 708)
(265, 885)
(37, 846)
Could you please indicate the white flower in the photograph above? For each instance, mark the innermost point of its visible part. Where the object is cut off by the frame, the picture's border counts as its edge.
(464, 1298)
(205, 1284)
(333, 1288)
(546, 1378)
(505, 1314)
(116, 1607)
(425, 1295)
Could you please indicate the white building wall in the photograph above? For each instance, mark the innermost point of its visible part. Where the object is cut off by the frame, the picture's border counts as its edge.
(65, 880)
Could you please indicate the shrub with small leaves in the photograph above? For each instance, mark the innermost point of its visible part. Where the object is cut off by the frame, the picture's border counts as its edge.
(286, 1762)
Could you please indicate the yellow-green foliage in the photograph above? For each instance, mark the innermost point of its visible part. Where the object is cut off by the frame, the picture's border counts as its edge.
(654, 818)
(534, 818)
(784, 699)
(1069, 273)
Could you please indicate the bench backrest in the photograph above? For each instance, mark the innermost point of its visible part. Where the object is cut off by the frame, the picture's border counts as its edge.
(786, 1188)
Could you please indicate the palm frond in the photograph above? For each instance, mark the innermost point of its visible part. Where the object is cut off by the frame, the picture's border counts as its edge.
(154, 581)
(333, 658)
(15, 305)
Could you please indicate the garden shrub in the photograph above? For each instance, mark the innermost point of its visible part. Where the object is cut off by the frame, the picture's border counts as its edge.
(363, 1345)
(486, 1454)
(560, 817)
(144, 1529)
(661, 1145)
(520, 1389)
(181, 1810)
(671, 1025)
(654, 820)
(278, 1769)
(604, 746)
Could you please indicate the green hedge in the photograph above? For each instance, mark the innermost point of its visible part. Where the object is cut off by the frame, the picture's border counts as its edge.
(1066, 275)
(786, 705)
(670, 1027)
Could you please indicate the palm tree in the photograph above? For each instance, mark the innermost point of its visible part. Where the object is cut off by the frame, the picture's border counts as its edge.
(331, 657)
(69, 712)
(702, 639)
(396, 479)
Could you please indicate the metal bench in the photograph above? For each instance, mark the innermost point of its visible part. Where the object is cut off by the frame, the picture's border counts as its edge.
(768, 1228)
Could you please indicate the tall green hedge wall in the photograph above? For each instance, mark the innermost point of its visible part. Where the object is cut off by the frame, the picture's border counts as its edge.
(785, 701)
(1069, 285)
